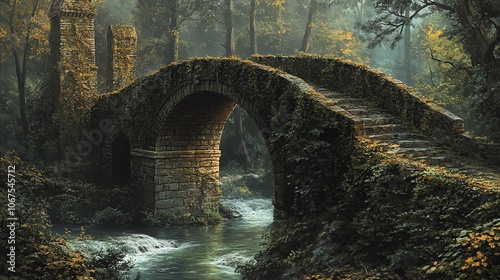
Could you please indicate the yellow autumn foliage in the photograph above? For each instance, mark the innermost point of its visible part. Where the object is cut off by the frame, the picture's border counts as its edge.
(337, 41)
(475, 254)
(24, 23)
(444, 76)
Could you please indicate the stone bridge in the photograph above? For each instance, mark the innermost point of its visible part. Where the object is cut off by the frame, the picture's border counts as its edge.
(162, 132)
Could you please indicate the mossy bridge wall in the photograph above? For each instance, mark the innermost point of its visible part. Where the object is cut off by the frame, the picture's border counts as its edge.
(173, 119)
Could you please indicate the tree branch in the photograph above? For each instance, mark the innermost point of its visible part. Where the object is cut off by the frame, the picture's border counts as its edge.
(440, 60)
(495, 41)
(440, 5)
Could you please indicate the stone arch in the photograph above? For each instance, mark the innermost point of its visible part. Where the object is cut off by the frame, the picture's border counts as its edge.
(188, 129)
(175, 167)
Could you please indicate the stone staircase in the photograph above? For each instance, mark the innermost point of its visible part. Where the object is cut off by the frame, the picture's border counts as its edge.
(395, 138)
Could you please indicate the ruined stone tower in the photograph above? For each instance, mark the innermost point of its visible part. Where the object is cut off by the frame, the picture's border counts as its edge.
(122, 56)
(74, 70)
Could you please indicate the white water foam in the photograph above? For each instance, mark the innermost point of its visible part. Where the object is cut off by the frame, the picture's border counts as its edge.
(256, 209)
(231, 260)
(138, 248)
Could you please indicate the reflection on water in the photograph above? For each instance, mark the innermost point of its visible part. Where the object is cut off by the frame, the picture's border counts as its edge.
(210, 252)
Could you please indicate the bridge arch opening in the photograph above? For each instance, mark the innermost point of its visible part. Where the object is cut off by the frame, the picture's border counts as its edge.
(245, 165)
(120, 166)
(188, 150)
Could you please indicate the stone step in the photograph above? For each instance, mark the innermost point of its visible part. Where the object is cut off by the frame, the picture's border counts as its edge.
(382, 129)
(403, 135)
(413, 143)
(359, 111)
(378, 119)
(340, 96)
(432, 160)
(414, 152)
(333, 94)
(347, 100)
(349, 105)
(392, 137)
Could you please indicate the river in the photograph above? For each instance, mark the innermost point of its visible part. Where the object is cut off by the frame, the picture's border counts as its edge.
(202, 252)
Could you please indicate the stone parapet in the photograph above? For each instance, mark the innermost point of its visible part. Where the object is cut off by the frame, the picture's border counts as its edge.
(403, 101)
(362, 81)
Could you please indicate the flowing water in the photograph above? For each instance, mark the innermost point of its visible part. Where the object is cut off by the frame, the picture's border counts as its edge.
(210, 252)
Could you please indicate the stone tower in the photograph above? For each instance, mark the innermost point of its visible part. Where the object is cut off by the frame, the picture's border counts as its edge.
(122, 56)
(74, 70)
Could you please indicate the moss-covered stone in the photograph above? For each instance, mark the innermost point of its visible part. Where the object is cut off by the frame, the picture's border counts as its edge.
(304, 133)
(387, 218)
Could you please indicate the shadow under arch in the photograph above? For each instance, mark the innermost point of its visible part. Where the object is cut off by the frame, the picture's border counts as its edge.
(120, 160)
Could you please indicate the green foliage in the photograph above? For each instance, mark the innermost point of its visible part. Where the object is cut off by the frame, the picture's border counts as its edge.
(461, 66)
(69, 201)
(474, 255)
(204, 216)
(110, 264)
(447, 73)
(41, 253)
(391, 216)
(111, 217)
(229, 190)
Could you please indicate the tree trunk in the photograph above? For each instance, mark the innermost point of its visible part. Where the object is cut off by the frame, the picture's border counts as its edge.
(253, 27)
(476, 41)
(243, 156)
(173, 42)
(228, 22)
(21, 71)
(306, 41)
(407, 49)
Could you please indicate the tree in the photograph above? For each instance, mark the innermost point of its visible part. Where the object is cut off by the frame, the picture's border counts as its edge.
(173, 31)
(477, 25)
(229, 24)
(179, 12)
(253, 27)
(444, 75)
(313, 9)
(334, 39)
(159, 24)
(477, 22)
(24, 25)
(407, 48)
(243, 157)
(359, 10)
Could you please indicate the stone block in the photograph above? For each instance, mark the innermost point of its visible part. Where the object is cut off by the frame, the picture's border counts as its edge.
(174, 187)
(187, 185)
(178, 202)
(188, 171)
(165, 204)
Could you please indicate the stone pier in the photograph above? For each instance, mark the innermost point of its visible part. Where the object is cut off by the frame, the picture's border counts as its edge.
(178, 182)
